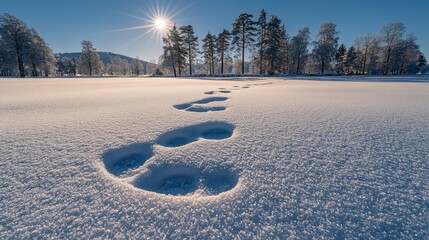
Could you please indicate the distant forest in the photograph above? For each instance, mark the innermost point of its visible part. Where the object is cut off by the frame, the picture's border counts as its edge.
(23, 52)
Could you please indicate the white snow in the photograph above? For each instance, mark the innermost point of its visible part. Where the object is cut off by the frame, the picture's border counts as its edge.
(261, 158)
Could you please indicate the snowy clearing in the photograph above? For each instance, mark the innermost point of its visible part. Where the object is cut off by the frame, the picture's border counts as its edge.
(299, 157)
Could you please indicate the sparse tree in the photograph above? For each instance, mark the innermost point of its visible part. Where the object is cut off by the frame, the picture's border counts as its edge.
(299, 49)
(191, 42)
(284, 51)
(421, 63)
(243, 32)
(66, 66)
(209, 50)
(340, 57)
(118, 66)
(39, 57)
(350, 61)
(136, 66)
(89, 62)
(391, 36)
(374, 51)
(326, 45)
(273, 38)
(408, 55)
(174, 50)
(151, 66)
(222, 45)
(261, 38)
(363, 46)
(236, 66)
(15, 38)
(229, 64)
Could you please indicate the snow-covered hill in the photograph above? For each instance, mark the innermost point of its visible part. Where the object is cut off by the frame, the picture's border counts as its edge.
(105, 57)
(222, 158)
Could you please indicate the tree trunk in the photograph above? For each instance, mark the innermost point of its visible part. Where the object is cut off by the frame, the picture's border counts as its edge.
(174, 68)
(221, 67)
(387, 61)
(90, 66)
(364, 60)
(323, 66)
(20, 62)
(179, 66)
(190, 58)
(242, 50)
(401, 71)
(34, 71)
(212, 65)
(297, 66)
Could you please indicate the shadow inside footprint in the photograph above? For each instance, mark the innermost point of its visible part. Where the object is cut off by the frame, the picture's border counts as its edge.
(190, 105)
(122, 161)
(205, 109)
(217, 133)
(182, 106)
(210, 99)
(179, 141)
(186, 135)
(186, 180)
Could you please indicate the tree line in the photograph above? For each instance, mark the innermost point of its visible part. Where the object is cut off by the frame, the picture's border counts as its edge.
(23, 52)
(273, 51)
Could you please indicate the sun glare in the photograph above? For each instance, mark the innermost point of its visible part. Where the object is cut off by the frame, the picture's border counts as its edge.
(156, 22)
(160, 24)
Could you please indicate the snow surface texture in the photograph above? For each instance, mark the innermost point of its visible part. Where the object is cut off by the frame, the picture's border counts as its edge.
(313, 157)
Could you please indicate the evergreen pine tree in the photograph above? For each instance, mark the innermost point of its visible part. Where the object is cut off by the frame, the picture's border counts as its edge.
(261, 38)
(191, 43)
(90, 63)
(15, 37)
(350, 61)
(243, 32)
(421, 63)
(284, 51)
(340, 57)
(299, 49)
(209, 49)
(175, 51)
(222, 45)
(326, 45)
(272, 40)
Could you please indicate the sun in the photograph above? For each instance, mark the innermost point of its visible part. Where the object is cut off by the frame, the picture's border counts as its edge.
(160, 23)
(156, 22)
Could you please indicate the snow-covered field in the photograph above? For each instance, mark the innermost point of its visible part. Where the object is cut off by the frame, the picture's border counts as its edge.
(214, 158)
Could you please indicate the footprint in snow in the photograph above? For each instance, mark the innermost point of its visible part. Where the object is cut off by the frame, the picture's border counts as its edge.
(129, 164)
(217, 92)
(198, 106)
(187, 180)
(186, 135)
(123, 161)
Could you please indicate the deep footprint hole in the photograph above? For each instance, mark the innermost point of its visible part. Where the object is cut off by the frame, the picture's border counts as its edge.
(185, 180)
(205, 109)
(122, 161)
(177, 142)
(186, 135)
(217, 133)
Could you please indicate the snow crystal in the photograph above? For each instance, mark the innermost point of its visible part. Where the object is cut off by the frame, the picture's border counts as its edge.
(263, 158)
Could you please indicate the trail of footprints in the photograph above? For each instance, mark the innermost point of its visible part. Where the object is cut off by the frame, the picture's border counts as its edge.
(130, 164)
(199, 106)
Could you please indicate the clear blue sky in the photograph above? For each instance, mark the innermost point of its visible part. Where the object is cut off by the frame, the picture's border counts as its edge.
(64, 24)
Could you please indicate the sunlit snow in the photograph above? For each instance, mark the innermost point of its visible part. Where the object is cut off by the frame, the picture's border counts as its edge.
(222, 158)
